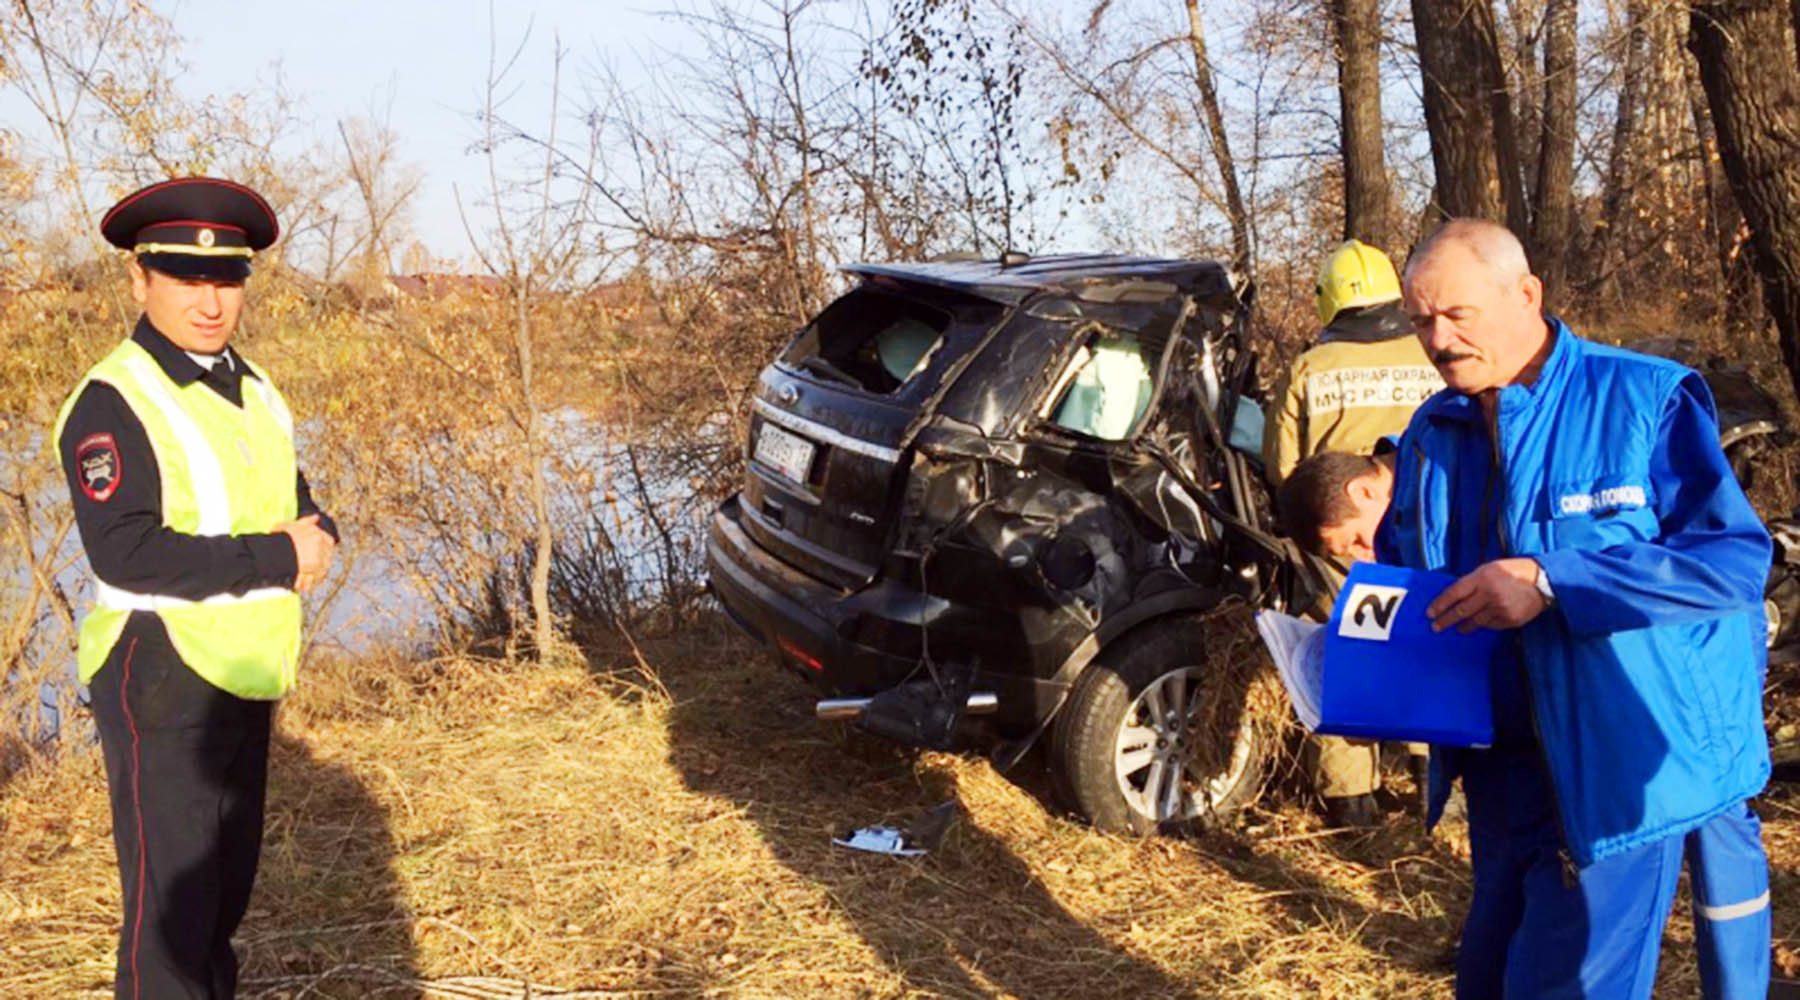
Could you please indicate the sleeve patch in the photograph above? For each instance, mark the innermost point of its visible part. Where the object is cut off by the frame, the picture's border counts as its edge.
(98, 466)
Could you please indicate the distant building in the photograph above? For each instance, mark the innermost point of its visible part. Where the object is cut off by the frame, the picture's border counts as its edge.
(444, 286)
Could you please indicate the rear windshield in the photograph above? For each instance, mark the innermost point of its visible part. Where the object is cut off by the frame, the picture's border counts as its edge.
(881, 341)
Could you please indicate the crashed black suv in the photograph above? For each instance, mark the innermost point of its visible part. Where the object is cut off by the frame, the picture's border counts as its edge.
(1009, 489)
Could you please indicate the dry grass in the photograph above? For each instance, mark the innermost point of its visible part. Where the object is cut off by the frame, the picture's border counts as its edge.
(456, 829)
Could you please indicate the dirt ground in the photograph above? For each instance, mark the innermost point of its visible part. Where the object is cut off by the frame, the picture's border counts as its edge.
(660, 827)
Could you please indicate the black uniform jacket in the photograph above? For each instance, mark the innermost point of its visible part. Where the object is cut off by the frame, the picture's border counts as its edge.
(118, 496)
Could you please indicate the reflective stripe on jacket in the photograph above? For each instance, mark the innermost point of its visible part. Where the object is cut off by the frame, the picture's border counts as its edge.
(1645, 679)
(224, 470)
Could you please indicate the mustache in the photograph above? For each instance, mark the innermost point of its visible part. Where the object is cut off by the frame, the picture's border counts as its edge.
(1448, 356)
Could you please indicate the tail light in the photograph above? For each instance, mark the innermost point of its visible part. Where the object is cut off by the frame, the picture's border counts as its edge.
(791, 648)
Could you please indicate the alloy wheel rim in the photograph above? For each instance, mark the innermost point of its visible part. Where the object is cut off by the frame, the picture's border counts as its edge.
(1155, 751)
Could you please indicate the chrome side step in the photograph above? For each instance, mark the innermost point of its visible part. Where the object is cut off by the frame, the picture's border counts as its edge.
(979, 703)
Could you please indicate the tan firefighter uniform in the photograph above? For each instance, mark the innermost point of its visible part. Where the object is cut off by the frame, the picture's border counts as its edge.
(1361, 383)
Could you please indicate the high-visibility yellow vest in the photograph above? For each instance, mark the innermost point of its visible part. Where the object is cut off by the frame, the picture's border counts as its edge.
(225, 470)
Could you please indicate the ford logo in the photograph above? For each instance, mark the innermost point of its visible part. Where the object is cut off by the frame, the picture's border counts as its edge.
(788, 395)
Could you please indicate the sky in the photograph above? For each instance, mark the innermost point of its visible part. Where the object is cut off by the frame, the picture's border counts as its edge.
(421, 63)
(421, 66)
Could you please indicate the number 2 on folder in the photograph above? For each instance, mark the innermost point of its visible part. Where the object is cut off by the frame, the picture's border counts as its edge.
(1370, 612)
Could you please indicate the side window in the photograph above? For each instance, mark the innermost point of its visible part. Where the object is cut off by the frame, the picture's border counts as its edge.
(1247, 428)
(1106, 387)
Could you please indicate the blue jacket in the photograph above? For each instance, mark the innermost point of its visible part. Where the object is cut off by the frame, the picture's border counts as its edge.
(1644, 680)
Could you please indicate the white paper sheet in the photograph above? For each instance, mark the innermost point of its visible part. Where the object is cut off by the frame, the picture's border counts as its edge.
(1298, 649)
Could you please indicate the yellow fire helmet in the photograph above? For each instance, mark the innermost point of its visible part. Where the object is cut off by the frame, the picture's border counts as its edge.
(1356, 274)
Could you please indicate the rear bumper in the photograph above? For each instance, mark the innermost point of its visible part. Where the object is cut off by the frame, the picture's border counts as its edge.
(857, 642)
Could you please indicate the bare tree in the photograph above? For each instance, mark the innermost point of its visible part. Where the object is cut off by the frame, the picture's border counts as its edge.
(535, 247)
(1139, 85)
(1553, 208)
(1647, 257)
(384, 187)
(955, 72)
(1745, 53)
(100, 79)
(732, 167)
(1356, 30)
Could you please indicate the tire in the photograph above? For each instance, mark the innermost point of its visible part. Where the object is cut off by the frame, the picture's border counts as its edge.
(1122, 760)
(1781, 603)
(1742, 458)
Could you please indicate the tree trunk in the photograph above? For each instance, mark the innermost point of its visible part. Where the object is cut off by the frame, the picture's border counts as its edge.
(1668, 206)
(544, 631)
(1215, 125)
(1356, 25)
(1617, 184)
(1745, 50)
(1523, 22)
(1794, 15)
(1506, 133)
(1468, 112)
(1554, 192)
(1736, 293)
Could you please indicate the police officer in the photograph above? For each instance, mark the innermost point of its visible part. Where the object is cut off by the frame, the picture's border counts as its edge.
(1360, 384)
(202, 534)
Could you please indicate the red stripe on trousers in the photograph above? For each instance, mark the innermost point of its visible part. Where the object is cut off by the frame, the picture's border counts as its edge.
(137, 810)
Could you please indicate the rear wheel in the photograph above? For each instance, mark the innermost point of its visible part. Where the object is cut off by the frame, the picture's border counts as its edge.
(1157, 736)
(1742, 456)
(1781, 604)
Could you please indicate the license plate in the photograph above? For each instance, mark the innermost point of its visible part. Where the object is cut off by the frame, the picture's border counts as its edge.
(785, 452)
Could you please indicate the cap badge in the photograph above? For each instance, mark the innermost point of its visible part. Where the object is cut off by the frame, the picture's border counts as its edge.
(206, 238)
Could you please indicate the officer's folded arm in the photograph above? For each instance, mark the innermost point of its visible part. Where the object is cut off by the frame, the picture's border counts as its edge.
(121, 524)
(313, 548)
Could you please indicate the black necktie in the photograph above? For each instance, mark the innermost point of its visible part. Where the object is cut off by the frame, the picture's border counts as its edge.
(226, 378)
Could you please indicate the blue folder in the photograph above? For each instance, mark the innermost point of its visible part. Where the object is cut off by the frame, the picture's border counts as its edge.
(1388, 676)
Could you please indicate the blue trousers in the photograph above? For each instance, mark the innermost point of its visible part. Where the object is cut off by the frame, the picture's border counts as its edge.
(1728, 875)
(1533, 932)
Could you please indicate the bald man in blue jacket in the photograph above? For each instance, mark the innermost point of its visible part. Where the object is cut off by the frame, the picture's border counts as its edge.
(1580, 493)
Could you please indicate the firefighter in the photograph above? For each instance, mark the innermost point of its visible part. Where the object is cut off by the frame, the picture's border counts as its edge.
(1359, 384)
(201, 534)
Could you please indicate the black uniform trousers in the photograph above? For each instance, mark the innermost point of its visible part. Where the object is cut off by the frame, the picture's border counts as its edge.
(186, 768)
